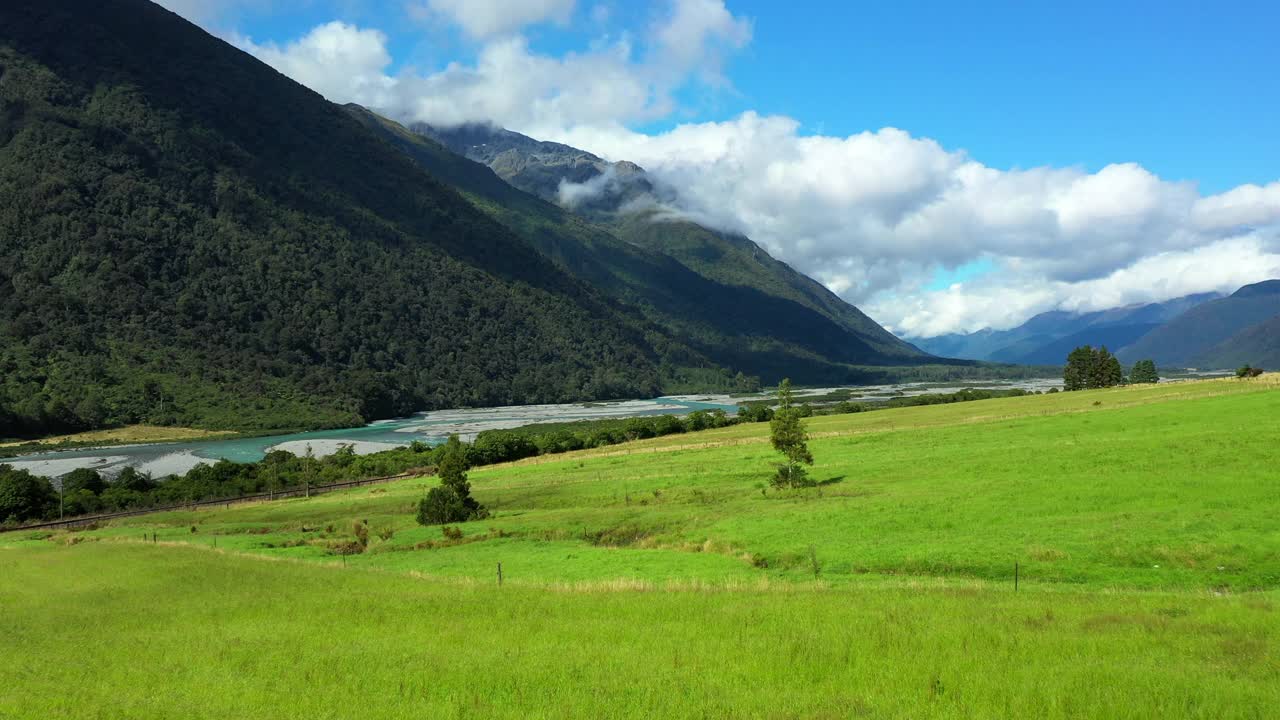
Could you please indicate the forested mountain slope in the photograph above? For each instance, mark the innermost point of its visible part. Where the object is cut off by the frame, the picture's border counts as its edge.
(189, 236)
(1188, 339)
(1257, 346)
(768, 329)
(621, 198)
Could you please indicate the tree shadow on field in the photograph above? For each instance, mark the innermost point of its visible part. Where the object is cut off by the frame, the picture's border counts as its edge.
(832, 481)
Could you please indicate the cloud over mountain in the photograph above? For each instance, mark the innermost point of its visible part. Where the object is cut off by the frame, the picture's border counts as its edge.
(874, 215)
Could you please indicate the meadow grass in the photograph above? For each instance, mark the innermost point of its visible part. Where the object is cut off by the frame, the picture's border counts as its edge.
(663, 578)
(129, 631)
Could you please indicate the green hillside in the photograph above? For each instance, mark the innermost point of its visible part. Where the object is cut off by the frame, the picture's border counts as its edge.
(658, 579)
(191, 238)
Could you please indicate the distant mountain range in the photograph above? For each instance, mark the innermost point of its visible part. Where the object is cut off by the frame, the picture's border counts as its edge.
(1204, 331)
(1214, 334)
(1047, 338)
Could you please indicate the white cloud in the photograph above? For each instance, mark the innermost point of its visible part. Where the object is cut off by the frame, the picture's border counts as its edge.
(340, 61)
(872, 215)
(490, 18)
(696, 33)
(1005, 301)
(511, 85)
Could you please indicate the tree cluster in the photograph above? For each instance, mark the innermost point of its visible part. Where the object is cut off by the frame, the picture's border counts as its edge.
(1144, 372)
(1090, 368)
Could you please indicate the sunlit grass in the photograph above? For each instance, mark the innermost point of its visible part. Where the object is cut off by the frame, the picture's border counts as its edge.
(664, 579)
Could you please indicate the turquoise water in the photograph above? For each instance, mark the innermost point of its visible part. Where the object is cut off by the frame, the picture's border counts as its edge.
(163, 459)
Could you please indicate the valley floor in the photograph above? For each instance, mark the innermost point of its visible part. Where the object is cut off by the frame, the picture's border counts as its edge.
(665, 579)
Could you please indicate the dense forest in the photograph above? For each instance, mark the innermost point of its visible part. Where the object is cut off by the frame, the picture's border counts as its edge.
(192, 238)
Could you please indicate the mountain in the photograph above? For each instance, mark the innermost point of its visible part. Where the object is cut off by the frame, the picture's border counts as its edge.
(1047, 338)
(554, 172)
(737, 306)
(1200, 337)
(1257, 346)
(621, 198)
(190, 237)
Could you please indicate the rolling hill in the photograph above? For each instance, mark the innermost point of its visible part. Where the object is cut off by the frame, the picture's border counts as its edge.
(659, 580)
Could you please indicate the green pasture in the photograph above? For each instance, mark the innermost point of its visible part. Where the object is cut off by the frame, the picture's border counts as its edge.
(663, 578)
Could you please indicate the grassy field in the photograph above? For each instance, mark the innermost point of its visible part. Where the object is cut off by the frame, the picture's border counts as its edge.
(663, 579)
(123, 435)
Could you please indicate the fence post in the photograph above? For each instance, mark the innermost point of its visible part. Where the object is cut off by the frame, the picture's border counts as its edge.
(1015, 577)
(499, 574)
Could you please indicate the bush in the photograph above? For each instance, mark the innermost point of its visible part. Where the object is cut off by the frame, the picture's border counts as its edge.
(1248, 372)
(444, 505)
(451, 533)
(24, 496)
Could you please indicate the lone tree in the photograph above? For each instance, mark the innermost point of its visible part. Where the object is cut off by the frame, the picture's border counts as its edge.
(451, 502)
(788, 436)
(1089, 368)
(1144, 371)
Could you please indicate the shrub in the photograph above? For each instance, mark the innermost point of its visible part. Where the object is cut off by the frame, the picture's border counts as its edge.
(451, 533)
(451, 501)
(1248, 372)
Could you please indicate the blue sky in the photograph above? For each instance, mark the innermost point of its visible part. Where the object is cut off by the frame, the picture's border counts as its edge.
(1187, 89)
(946, 166)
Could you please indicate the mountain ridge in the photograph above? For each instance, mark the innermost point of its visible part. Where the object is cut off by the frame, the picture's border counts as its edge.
(194, 238)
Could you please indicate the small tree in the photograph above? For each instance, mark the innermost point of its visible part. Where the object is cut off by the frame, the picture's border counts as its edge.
(788, 436)
(451, 502)
(1144, 371)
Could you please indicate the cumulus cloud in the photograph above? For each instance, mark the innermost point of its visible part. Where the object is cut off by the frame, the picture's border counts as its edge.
(616, 80)
(873, 215)
(488, 18)
(340, 61)
(696, 34)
